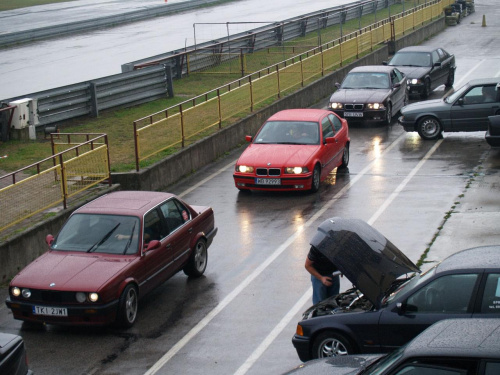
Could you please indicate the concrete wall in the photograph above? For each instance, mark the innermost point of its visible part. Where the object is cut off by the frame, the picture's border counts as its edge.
(18, 251)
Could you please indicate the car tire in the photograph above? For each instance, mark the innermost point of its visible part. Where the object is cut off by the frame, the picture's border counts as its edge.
(197, 263)
(128, 306)
(427, 88)
(331, 344)
(451, 79)
(345, 157)
(316, 179)
(429, 128)
(388, 114)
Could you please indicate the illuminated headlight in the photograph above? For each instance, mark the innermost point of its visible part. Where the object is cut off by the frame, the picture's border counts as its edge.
(244, 169)
(414, 81)
(81, 297)
(93, 297)
(26, 293)
(376, 106)
(335, 105)
(16, 292)
(296, 170)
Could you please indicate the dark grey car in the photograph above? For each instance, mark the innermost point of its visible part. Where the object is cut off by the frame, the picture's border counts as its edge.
(466, 110)
(425, 68)
(13, 360)
(370, 94)
(448, 347)
(392, 301)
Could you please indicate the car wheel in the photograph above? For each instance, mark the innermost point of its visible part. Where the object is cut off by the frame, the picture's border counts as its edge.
(197, 263)
(345, 157)
(316, 177)
(451, 79)
(128, 306)
(388, 114)
(429, 128)
(427, 88)
(330, 344)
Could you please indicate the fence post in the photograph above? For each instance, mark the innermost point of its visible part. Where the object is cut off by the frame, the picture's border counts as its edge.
(63, 182)
(251, 93)
(170, 83)
(94, 108)
(136, 142)
(278, 78)
(219, 108)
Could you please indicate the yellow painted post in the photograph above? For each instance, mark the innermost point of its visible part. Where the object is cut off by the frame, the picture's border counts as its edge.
(484, 21)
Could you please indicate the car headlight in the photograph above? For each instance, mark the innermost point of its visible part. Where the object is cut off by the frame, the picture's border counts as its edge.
(414, 81)
(16, 292)
(335, 105)
(93, 297)
(26, 293)
(296, 170)
(81, 297)
(376, 106)
(244, 169)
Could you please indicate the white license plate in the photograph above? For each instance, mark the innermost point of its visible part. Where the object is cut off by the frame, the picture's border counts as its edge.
(268, 181)
(353, 114)
(52, 311)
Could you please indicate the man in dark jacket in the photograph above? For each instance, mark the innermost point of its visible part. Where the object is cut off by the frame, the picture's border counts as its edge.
(325, 284)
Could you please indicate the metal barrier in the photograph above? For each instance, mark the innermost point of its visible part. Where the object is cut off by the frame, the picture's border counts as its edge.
(180, 125)
(53, 180)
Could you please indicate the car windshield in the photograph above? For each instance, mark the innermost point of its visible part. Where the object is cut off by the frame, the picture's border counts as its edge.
(411, 59)
(457, 94)
(289, 132)
(407, 285)
(92, 233)
(366, 80)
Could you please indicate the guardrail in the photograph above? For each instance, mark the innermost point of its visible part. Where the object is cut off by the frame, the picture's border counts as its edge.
(183, 123)
(51, 181)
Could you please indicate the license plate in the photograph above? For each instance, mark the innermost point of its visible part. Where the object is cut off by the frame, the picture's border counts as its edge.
(52, 311)
(353, 114)
(268, 181)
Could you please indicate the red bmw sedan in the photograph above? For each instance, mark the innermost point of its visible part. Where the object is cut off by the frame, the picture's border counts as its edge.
(295, 149)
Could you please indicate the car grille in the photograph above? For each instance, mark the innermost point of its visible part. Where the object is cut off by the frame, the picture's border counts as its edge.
(49, 296)
(268, 171)
(356, 107)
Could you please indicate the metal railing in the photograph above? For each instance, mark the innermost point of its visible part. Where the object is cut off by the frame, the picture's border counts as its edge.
(53, 180)
(183, 123)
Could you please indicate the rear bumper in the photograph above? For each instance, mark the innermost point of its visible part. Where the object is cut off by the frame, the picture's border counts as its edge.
(77, 315)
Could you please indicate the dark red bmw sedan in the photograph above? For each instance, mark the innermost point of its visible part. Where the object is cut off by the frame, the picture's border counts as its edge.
(109, 254)
(295, 149)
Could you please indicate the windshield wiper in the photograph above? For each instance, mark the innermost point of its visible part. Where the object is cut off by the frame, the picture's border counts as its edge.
(129, 240)
(100, 242)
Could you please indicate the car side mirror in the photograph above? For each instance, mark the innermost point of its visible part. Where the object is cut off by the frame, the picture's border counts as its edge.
(330, 140)
(248, 138)
(337, 85)
(437, 64)
(396, 85)
(49, 239)
(385, 62)
(155, 244)
(460, 101)
(400, 308)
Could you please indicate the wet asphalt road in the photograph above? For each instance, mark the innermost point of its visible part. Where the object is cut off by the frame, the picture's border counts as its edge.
(240, 317)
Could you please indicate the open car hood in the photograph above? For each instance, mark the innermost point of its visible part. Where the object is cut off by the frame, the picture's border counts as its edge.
(363, 255)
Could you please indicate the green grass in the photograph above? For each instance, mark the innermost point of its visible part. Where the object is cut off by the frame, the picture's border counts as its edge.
(118, 124)
(16, 4)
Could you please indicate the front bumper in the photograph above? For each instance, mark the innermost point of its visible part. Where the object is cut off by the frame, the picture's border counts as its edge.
(246, 182)
(98, 315)
(302, 345)
(416, 89)
(367, 116)
(409, 126)
(492, 140)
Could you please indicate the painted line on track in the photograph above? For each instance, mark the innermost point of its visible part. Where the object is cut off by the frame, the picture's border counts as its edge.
(299, 305)
(231, 296)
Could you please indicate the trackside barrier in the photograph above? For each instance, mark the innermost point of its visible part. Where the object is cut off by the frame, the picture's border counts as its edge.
(55, 179)
(182, 124)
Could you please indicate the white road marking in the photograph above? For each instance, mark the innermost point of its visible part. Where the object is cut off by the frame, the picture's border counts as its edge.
(231, 296)
(299, 305)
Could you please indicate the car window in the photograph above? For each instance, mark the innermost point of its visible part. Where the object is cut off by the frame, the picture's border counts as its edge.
(399, 75)
(326, 128)
(394, 78)
(175, 214)
(435, 57)
(491, 295)
(480, 94)
(443, 55)
(417, 369)
(447, 294)
(492, 368)
(153, 227)
(337, 124)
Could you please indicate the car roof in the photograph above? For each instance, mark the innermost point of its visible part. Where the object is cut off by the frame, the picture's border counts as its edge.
(480, 257)
(484, 81)
(464, 338)
(372, 69)
(418, 49)
(134, 203)
(299, 114)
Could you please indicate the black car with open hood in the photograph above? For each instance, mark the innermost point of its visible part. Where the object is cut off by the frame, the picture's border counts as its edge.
(391, 300)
